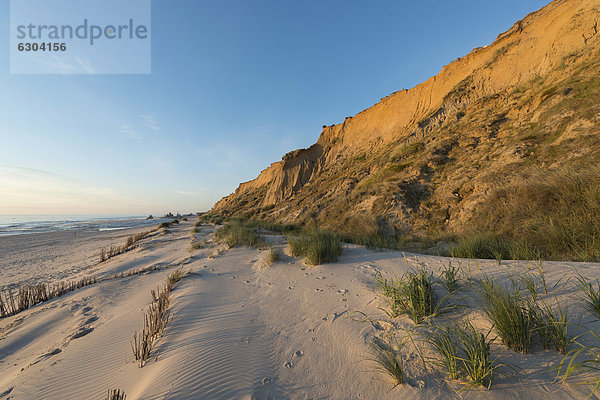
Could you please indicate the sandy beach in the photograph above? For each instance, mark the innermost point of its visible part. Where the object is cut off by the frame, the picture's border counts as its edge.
(242, 329)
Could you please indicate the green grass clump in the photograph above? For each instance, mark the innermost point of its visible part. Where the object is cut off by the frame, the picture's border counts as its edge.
(273, 256)
(592, 295)
(476, 362)
(198, 245)
(444, 340)
(463, 353)
(413, 295)
(551, 326)
(164, 225)
(236, 234)
(387, 355)
(211, 218)
(509, 314)
(316, 247)
(450, 278)
(494, 247)
(583, 360)
(375, 241)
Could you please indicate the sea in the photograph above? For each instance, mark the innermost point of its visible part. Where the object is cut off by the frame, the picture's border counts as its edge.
(26, 224)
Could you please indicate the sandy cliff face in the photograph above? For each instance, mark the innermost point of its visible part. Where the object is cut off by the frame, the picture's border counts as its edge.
(423, 158)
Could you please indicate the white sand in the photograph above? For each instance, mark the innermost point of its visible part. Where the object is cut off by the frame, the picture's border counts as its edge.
(241, 329)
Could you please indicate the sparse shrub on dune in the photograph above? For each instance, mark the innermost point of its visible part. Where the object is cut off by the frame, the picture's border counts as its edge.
(164, 225)
(316, 247)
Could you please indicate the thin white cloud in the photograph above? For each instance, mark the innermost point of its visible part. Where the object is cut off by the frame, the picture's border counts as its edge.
(149, 121)
(63, 65)
(185, 193)
(86, 65)
(132, 133)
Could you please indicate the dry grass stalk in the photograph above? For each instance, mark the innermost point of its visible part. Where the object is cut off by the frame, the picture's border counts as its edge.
(131, 240)
(115, 394)
(155, 319)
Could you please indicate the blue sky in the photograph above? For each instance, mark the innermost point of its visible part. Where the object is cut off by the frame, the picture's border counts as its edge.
(234, 86)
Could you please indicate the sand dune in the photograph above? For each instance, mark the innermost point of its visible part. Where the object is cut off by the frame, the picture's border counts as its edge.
(242, 329)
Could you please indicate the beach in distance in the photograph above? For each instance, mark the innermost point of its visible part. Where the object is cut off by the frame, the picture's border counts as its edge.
(244, 324)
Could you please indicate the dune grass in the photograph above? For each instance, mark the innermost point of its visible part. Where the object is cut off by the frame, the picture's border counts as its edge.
(414, 295)
(387, 355)
(530, 283)
(116, 394)
(450, 277)
(508, 312)
(198, 245)
(316, 247)
(557, 214)
(582, 364)
(113, 251)
(490, 246)
(273, 256)
(476, 361)
(444, 340)
(238, 234)
(462, 353)
(591, 295)
(212, 218)
(30, 295)
(155, 319)
(551, 326)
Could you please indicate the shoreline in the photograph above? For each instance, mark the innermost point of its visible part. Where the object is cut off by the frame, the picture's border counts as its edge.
(244, 328)
(53, 256)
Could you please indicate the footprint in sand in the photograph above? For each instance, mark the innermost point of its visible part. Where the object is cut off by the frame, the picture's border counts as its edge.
(298, 354)
(343, 291)
(288, 364)
(82, 332)
(54, 352)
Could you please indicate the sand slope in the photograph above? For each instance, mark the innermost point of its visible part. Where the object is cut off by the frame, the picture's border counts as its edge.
(244, 330)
